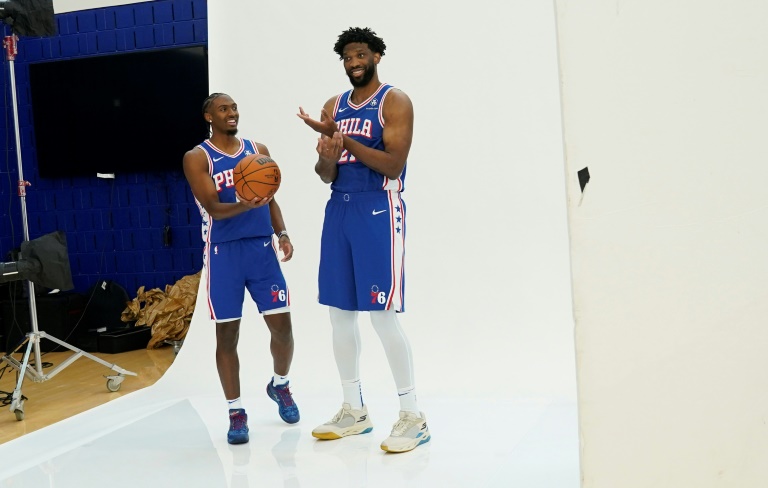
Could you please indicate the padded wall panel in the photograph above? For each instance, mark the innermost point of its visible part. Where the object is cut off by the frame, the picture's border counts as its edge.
(143, 203)
(86, 21)
(163, 12)
(124, 16)
(183, 32)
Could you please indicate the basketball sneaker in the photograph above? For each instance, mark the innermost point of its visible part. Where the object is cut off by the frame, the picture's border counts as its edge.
(286, 407)
(238, 426)
(408, 433)
(347, 421)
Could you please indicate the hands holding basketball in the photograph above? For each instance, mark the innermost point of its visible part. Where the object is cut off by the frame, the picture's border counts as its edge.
(257, 178)
(255, 202)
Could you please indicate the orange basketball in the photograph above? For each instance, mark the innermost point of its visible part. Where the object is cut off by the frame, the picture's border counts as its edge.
(256, 175)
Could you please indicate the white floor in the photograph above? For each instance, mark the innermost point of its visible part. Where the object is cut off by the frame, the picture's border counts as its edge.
(173, 434)
(182, 442)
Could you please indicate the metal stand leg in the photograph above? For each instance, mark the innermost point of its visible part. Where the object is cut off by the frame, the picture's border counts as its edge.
(33, 338)
(176, 345)
(35, 374)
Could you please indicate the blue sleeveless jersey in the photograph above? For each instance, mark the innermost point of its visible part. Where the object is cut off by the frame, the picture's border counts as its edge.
(253, 223)
(365, 124)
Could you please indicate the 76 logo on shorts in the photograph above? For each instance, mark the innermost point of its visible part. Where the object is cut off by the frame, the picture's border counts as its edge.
(378, 296)
(277, 294)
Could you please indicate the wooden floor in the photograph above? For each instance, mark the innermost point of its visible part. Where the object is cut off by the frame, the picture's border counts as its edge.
(78, 387)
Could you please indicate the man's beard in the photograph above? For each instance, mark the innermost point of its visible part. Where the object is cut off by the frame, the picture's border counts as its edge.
(367, 76)
(231, 132)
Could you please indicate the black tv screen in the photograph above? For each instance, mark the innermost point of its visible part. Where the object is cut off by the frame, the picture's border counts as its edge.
(121, 113)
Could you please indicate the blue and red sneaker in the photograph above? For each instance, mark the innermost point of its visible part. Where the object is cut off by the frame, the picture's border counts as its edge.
(238, 426)
(287, 408)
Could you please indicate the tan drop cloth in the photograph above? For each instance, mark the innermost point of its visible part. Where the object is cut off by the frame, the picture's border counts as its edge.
(169, 313)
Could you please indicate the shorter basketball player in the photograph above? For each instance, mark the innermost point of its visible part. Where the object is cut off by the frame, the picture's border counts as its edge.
(240, 255)
(365, 138)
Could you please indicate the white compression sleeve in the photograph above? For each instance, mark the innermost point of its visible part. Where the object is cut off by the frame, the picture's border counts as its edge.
(346, 343)
(396, 346)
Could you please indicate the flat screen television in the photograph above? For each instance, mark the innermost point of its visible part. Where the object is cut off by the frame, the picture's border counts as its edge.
(119, 113)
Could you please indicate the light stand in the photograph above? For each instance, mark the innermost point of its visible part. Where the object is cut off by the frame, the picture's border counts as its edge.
(32, 340)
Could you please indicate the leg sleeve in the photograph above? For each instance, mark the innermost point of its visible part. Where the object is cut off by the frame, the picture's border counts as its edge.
(346, 343)
(396, 346)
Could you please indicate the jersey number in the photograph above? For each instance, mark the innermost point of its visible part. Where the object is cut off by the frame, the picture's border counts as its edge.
(346, 157)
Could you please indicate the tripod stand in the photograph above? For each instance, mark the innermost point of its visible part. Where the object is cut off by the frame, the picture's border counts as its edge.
(32, 340)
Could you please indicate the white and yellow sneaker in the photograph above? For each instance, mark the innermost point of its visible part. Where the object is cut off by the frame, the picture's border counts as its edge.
(347, 421)
(408, 433)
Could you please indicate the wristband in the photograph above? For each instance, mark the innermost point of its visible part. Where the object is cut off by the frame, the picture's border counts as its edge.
(282, 233)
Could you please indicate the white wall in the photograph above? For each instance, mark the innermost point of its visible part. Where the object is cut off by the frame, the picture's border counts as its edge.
(665, 102)
(487, 283)
(487, 293)
(62, 6)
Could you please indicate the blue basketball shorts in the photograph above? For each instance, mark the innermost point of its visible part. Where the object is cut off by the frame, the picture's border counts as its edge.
(362, 251)
(244, 264)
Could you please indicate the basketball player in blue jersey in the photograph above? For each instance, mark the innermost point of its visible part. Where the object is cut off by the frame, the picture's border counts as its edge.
(365, 136)
(240, 255)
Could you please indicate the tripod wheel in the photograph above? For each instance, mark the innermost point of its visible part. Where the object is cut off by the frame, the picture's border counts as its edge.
(113, 385)
(19, 414)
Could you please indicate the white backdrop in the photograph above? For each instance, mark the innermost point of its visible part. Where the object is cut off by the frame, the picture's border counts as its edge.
(487, 284)
(62, 6)
(665, 103)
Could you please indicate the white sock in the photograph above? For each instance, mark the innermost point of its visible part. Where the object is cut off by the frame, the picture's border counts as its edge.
(408, 400)
(353, 393)
(236, 403)
(278, 380)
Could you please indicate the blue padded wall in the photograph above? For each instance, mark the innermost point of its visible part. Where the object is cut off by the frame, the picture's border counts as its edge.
(115, 228)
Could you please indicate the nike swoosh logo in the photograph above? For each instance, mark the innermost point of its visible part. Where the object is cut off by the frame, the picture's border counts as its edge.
(342, 109)
(267, 243)
(218, 159)
(377, 212)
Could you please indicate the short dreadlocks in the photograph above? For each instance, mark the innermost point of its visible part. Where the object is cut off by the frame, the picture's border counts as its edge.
(357, 34)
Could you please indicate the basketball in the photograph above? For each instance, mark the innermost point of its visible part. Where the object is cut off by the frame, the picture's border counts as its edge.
(256, 175)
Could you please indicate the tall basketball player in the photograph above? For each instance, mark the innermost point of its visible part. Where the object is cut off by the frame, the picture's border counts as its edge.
(240, 255)
(365, 136)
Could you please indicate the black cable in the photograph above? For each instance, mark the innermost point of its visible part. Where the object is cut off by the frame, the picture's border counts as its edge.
(99, 272)
(6, 397)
